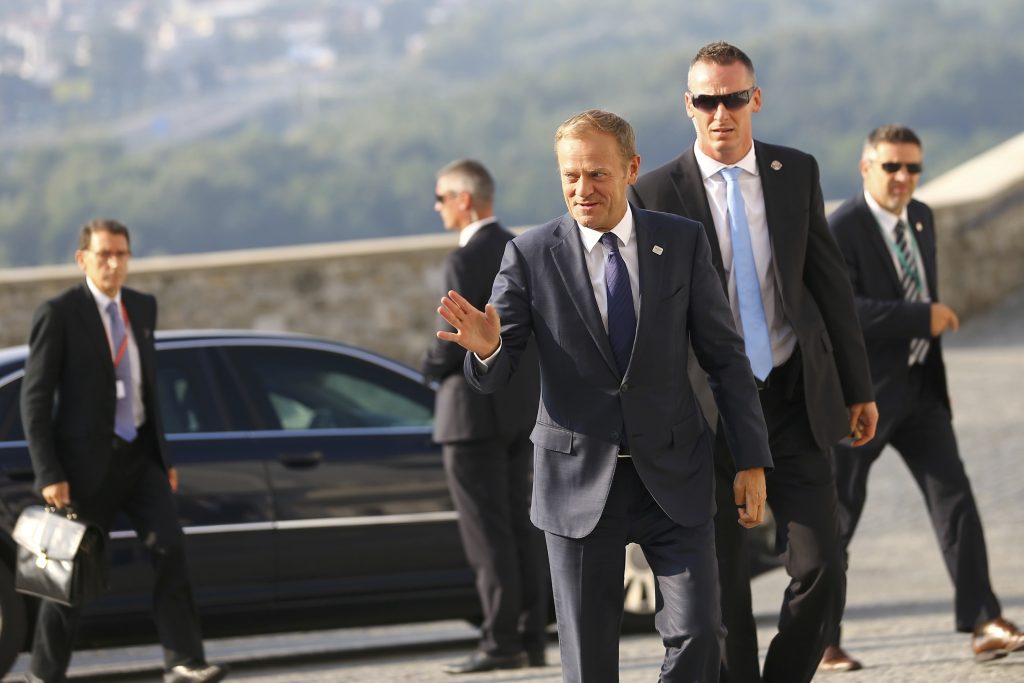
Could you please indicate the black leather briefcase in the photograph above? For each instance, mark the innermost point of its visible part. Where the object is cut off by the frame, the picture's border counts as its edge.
(59, 558)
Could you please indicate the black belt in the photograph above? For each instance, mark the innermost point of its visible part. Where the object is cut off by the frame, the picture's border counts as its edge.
(118, 444)
(784, 375)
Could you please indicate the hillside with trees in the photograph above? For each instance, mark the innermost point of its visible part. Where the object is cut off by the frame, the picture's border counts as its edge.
(492, 81)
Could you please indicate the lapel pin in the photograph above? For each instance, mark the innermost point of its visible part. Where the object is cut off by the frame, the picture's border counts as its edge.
(658, 250)
(918, 226)
(776, 165)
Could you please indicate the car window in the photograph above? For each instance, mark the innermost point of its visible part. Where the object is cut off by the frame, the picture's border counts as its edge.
(10, 412)
(187, 403)
(313, 389)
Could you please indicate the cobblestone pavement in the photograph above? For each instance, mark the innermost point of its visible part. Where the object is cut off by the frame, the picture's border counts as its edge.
(899, 618)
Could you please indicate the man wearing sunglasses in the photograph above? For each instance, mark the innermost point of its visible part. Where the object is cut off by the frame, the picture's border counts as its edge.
(762, 210)
(888, 241)
(485, 443)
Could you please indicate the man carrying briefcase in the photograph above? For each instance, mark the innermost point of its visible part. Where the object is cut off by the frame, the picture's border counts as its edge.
(91, 417)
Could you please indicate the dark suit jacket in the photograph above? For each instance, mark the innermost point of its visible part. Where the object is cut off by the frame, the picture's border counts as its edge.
(889, 321)
(544, 288)
(816, 298)
(462, 414)
(68, 394)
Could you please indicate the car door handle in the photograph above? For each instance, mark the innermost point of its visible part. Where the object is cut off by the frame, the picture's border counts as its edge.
(301, 460)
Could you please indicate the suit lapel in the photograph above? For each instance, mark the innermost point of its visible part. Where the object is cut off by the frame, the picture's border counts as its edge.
(693, 198)
(773, 189)
(139, 329)
(567, 254)
(879, 244)
(652, 269)
(926, 245)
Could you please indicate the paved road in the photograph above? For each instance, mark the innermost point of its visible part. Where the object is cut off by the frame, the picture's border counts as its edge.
(899, 618)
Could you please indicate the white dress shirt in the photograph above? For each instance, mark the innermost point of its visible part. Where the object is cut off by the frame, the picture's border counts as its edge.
(473, 228)
(780, 332)
(102, 301)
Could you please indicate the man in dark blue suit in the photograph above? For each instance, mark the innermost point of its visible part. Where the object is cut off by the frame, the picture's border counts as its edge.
(622, 453)
(888, 242)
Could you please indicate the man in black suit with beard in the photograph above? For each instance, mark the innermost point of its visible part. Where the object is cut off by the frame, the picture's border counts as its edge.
(91, 417)
(888, 241)
(486, 443)
(762, 210)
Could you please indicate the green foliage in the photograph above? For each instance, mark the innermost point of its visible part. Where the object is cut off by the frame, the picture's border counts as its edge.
(494, 82)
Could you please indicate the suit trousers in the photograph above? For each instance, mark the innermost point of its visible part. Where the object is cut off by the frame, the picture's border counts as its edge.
(922, 432)
(802, 498)
(586, 576)
(138, 486)
(490, 482)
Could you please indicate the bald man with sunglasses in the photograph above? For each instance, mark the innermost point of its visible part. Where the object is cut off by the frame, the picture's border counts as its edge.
(888, 241)
(762, 210)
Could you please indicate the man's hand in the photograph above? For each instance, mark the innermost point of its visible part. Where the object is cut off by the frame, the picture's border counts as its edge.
(57, 495)
(476, 331)
(750, 493)
(943, 318)
(172, 479)
(863, 422)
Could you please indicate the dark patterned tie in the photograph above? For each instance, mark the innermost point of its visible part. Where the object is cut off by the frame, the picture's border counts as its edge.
(910, 280)
(124, 419)
(621, 314)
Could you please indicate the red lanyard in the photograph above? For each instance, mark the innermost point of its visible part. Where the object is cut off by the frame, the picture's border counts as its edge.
(119, 354)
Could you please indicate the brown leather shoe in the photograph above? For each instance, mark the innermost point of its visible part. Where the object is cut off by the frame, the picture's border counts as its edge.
(835, 659)
(995, 639)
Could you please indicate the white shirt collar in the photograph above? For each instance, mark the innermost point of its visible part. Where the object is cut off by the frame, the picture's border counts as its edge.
(623, 230)
(102, 300)
(709, 167)
(473, 228)
(886, 219)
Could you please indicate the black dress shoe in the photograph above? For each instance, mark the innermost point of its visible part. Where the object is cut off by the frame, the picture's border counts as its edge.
(204, 673)
(481, 661)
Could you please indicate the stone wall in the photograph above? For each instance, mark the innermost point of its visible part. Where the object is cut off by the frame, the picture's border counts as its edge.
(979, 216)
(379, 294)
(382, 294)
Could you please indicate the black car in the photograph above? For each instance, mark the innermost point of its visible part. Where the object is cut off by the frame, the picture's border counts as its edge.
(310, 493)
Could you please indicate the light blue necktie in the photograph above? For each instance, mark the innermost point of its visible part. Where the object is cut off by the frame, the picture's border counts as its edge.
(124, 418)
(748, 287)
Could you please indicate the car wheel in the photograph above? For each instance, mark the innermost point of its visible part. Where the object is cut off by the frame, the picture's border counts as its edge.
(12, 620)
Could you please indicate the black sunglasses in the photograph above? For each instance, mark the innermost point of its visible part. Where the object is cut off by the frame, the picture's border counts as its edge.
(442, 198)
(893, 166)
(732, 101)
